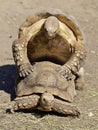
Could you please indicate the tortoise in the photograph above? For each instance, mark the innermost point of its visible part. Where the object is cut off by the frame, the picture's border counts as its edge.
(46, 90)
(50, 36)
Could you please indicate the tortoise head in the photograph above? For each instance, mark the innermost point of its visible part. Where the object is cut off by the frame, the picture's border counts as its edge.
(46, 101)
(51, 27)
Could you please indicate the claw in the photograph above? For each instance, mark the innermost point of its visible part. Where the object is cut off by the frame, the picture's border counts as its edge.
(25, 70)
(30, 71)
(69, 78)
(20, 74)
(14, 107)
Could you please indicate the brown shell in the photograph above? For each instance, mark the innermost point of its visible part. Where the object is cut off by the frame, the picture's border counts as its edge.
(57, 13)
(45, 79)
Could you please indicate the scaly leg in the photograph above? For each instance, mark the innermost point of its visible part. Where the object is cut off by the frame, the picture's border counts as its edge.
(79, 81)
(20, 57)
(26, 102)
(65, 108)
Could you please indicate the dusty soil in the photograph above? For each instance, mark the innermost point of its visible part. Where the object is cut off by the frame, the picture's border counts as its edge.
(12, 14)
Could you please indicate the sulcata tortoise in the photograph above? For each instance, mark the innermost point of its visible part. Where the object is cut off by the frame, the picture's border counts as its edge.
(50, 36)
(46, 90)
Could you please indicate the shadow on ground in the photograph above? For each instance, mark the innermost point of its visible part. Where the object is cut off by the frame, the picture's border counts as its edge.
(7, 79)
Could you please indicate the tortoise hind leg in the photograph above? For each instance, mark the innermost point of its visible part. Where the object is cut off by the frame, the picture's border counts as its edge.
(79, 81)
(65, 108)
(26, 102)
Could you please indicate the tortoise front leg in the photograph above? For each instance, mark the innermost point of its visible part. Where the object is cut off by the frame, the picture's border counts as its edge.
(20, 57)
(65, 108)
(76, 61)
(26, 102)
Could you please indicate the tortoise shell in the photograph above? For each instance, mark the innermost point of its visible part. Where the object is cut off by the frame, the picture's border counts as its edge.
(68, 21)
(45, 79)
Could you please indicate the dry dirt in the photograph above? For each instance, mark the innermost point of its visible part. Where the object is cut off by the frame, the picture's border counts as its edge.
(12, 14)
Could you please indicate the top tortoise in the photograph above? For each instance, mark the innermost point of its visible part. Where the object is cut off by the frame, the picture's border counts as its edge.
(50, 36)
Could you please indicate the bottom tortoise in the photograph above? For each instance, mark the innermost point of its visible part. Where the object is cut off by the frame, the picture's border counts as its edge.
(46, 90)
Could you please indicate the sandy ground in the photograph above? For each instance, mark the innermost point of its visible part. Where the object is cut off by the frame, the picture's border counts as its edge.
(12, 15)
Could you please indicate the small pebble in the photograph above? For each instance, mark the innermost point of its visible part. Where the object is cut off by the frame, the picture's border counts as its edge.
(90, 114)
